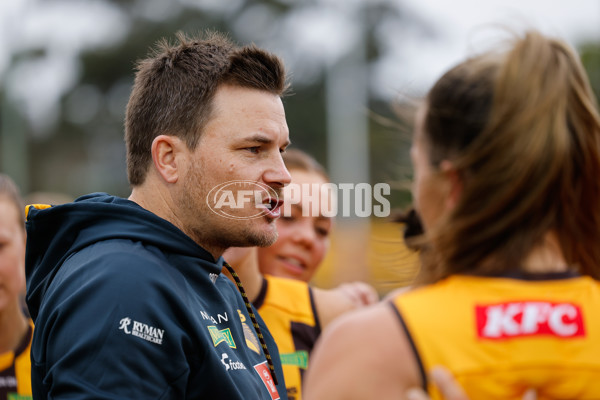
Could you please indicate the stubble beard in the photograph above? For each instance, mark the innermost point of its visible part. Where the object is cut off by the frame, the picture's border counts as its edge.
(215, 231)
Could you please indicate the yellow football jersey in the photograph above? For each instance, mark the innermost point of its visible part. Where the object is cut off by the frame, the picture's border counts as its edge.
(502, 336)
(15, 370)
(287, 307)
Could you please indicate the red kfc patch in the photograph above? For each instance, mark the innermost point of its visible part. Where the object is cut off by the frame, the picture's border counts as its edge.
(529, 318)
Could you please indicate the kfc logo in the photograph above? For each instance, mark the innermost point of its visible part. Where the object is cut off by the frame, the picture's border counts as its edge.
(529, 318)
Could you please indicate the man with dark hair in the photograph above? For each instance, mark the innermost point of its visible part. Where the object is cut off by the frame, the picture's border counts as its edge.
(126, 294)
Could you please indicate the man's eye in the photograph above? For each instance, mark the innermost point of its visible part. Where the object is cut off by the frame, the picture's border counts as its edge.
(253, 150)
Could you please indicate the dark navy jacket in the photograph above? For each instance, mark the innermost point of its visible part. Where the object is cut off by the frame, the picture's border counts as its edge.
(126, 306)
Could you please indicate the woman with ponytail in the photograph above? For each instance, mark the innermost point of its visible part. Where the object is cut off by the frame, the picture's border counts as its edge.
(506, 154)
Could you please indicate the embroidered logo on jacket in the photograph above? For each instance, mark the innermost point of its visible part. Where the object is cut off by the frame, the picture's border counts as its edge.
(529, 318)
(249, 334)
(141, 330)
(231, 365)
(219, 336)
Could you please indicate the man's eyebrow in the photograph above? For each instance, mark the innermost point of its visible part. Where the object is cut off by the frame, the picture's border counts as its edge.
(264, 140)
(259, 139)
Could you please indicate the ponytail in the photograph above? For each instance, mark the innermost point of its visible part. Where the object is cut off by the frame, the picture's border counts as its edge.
(526, 141)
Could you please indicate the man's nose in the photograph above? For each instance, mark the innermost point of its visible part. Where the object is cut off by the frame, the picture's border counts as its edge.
(277, 175)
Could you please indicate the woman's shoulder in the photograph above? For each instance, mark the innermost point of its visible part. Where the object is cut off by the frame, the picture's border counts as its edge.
(366, 339)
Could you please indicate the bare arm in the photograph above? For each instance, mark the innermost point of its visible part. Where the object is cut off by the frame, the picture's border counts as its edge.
(364, 354)
(360, 293)
(332, 303)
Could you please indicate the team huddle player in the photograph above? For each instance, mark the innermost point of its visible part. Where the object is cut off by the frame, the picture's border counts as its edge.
(127, 295)
(16, 328)
(294, 311)
(304, 227)
(506, 155)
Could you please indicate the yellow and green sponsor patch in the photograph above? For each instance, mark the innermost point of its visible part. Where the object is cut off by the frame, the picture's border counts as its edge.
(16, 396)
(223, 335)
(297, 358)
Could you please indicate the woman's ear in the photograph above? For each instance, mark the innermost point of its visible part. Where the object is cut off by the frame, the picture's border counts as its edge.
(166, 156)
(454, 181)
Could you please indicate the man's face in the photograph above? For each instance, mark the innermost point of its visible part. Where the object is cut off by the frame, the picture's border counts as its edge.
(242, 144)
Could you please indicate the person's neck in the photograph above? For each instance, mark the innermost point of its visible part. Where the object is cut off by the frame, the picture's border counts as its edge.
(13, 326)
(153, 198)
(247, 270)
(547, 257)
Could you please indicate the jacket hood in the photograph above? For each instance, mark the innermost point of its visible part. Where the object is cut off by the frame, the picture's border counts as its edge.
(56, 232)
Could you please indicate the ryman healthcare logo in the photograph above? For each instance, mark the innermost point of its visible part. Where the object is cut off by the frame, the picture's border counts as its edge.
(141, 330)
(248, 200)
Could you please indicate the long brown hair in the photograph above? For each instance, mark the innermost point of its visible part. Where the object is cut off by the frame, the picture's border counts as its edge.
(523, 131)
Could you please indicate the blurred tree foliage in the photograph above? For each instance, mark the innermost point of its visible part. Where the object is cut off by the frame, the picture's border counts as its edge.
(590, 57)
(84, 151)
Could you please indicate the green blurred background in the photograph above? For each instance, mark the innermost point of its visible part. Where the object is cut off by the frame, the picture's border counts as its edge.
(66, 68)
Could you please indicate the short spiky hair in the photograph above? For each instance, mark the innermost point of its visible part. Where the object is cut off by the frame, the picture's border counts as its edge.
(174, 88)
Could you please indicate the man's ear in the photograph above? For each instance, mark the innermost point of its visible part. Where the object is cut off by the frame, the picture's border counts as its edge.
(454, 181)
(167, 152)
